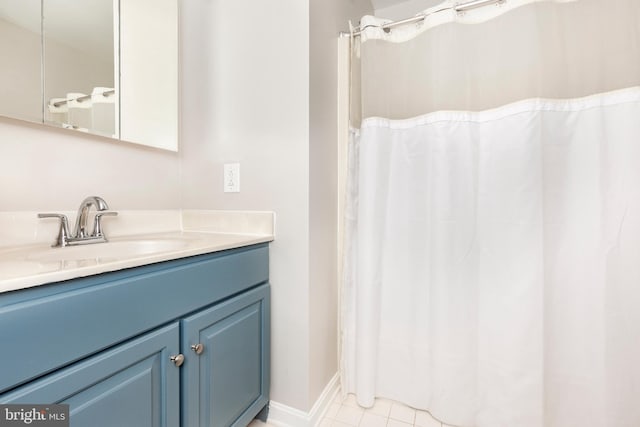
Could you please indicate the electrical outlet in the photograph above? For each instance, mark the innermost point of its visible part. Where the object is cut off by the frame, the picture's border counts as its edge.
(232, 177)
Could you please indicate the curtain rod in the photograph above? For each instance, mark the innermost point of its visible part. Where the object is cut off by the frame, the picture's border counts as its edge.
(84, 98)
(458, 8)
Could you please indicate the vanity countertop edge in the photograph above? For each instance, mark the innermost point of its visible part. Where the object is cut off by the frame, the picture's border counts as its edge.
(203, 231)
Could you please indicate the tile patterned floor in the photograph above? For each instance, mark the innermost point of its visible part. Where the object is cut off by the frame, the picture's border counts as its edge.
(384, 413)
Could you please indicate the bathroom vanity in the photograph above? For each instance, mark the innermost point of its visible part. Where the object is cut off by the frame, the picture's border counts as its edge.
(179, 342)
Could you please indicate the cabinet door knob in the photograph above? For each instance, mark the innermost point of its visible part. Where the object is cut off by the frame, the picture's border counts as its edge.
(177, 360)
(198, 348)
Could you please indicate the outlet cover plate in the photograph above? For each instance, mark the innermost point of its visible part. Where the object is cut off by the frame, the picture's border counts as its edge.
(232, 177)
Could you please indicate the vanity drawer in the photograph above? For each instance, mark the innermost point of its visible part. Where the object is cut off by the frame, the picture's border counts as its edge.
(72, 320)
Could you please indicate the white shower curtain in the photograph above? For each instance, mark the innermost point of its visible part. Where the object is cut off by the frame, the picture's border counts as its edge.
(492, 258)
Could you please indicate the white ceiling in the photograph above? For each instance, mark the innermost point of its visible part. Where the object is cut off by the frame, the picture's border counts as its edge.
(379, 4)
(404, 6)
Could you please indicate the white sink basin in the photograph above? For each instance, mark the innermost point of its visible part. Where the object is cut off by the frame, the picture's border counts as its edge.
(121, 249)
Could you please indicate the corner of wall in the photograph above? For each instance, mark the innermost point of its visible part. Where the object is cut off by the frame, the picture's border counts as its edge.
(285, 416)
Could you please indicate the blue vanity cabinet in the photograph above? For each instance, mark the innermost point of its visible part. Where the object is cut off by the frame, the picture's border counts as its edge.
(107, 344)
(226, 383)
(133, 384)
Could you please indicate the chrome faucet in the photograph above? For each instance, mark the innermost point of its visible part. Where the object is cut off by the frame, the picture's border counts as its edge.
(83, 212)
(80, 234)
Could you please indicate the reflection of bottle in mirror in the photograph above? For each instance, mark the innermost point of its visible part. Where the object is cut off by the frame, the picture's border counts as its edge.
(103, 112)
(57, 111)
(79, 109)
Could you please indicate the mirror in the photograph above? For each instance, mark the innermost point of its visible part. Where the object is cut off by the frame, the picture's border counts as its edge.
(104, 67)
(78, 62)
(20, 72)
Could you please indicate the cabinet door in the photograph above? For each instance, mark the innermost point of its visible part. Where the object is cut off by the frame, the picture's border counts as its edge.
(227, 384)
(132, 385)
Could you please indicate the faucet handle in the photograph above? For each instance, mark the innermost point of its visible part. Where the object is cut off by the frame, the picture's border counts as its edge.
(97, 225)
(63, 233)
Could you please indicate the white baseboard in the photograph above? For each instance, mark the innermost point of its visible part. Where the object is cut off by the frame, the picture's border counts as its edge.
(285, 416)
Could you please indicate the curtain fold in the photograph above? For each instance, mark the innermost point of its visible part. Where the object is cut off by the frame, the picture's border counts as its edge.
(492, 257)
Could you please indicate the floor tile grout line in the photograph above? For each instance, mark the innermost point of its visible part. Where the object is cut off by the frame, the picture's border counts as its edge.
(387, 418)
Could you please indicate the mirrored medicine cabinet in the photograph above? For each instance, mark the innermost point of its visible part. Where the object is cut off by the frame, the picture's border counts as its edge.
(105, 67)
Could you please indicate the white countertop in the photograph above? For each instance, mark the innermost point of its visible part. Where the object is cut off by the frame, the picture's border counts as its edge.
(199, 232)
